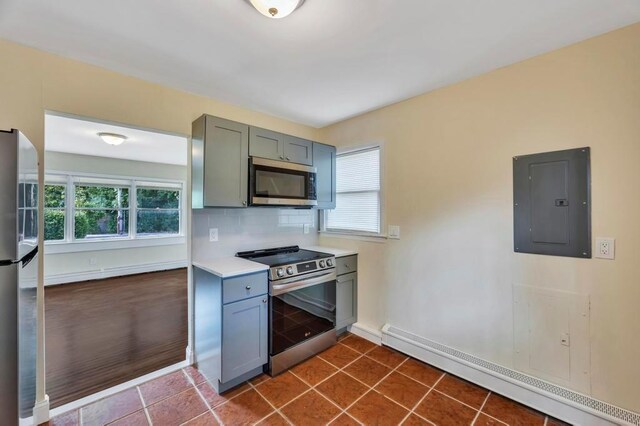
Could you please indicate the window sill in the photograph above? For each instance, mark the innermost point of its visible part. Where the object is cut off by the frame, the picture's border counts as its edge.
(380, 238)
(54, 247)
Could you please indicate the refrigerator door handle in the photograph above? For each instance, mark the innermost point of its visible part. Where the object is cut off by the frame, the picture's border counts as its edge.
(26, 259)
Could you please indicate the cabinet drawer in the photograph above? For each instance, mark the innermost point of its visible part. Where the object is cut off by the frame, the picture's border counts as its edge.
(244, 287)
(345, 265)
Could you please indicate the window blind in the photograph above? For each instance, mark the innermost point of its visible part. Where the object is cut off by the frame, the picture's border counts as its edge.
(357, 193)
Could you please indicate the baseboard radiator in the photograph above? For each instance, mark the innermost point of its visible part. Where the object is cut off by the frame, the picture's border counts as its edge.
(552, 399)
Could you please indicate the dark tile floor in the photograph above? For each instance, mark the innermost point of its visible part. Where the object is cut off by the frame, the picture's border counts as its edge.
(352, 383)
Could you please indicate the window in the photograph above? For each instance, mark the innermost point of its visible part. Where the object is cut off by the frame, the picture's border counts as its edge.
(158, 211)
(28, 210)
(357, 194)
(81, 209)
(55, 215)
(101, 212)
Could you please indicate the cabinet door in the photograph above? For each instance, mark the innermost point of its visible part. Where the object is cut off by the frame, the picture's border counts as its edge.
(244, 336)
(226, 165)
(297, 150)
(346, 300)
(266, 144)
(324, 160)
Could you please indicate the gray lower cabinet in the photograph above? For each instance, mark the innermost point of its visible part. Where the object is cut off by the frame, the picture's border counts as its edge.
(346, 292)
(244, 337)
(324, 160)
(230, 327)
(219, 169)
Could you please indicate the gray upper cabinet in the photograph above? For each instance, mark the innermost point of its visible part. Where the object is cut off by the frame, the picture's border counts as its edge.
(220, 150)
(266, 144)
(244, 336)
(298, 150)
(324, 160)
(277, 146)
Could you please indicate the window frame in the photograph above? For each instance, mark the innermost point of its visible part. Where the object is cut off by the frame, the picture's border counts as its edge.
(71, 244)
(357, 234)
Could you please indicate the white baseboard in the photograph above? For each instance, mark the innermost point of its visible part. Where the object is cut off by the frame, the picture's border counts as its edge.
(371, 334)
(112, 272)
(546, 397)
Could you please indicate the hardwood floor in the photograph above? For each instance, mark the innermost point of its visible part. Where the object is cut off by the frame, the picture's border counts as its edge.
(105, 332)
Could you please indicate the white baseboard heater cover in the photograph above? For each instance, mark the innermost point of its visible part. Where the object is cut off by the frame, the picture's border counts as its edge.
(394, 337)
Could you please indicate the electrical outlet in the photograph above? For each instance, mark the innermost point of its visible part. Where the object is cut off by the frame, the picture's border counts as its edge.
(605, 248)
(305, 228)
(213, 234)
(393, 232)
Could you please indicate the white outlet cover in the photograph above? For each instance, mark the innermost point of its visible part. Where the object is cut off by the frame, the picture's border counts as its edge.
(393, 231)
(306, 227)
(213, 234)
(605, 248)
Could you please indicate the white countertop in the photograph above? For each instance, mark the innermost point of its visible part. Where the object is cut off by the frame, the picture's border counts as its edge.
(337, 252)
(227, 267)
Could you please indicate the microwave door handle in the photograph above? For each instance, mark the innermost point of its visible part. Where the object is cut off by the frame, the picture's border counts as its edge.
(297, 285)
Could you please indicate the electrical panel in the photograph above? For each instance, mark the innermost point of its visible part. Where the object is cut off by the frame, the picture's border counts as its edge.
(552, 203)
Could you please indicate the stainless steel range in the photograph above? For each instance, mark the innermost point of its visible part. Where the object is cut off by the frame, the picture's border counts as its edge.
(302, 303)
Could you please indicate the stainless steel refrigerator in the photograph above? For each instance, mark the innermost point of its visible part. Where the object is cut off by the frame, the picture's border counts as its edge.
(18, 275)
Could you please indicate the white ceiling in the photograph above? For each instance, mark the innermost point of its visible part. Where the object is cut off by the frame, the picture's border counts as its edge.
(330, 60)
(78, 136)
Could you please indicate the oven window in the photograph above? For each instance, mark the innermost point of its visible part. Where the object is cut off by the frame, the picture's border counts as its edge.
(302, 314)
(277, 185)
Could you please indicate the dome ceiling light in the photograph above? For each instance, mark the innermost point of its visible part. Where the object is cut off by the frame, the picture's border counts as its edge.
(112, 138)
(276, 9)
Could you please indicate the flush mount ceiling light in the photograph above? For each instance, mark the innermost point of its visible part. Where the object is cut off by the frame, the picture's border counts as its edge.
(276, 8)
(112, 138)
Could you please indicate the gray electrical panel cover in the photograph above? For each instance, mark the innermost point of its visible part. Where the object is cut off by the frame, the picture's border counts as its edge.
(552, 203)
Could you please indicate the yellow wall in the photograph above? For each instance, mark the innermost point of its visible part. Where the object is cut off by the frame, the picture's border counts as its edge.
(448, 185)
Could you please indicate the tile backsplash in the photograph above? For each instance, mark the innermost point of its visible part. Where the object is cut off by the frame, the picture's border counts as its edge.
(250, 229)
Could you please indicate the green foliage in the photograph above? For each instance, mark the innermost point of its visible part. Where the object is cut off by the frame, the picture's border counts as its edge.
(54, 195)
(156, 222)
(53, 225)
(102, 197)
(157, 199)
(101, 222)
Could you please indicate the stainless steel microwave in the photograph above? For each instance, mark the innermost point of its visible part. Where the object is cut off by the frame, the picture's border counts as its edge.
(281, 183)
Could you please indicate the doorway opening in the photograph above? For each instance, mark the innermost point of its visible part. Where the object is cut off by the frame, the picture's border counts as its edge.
(116, 254)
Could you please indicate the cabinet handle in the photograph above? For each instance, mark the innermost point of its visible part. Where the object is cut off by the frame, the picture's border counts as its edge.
(244, 203)
(264, 300)
(281, 157)
(288, 159)
(248, 287)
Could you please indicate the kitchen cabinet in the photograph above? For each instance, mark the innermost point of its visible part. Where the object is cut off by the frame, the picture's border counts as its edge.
(277, 146)
(266, 144)
(346, 291)
(230, 327)
(219, 168)
(244, 337)
(220, 161)
(324, 160)
(298, 150)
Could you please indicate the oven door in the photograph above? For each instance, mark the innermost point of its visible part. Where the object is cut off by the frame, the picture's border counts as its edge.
(301, 309)
(278, 183)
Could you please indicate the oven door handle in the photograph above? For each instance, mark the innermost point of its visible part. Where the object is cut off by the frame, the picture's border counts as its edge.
(297, 285)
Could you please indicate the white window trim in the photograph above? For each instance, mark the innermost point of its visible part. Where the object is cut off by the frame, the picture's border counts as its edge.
(361, 235)
(71, 245)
